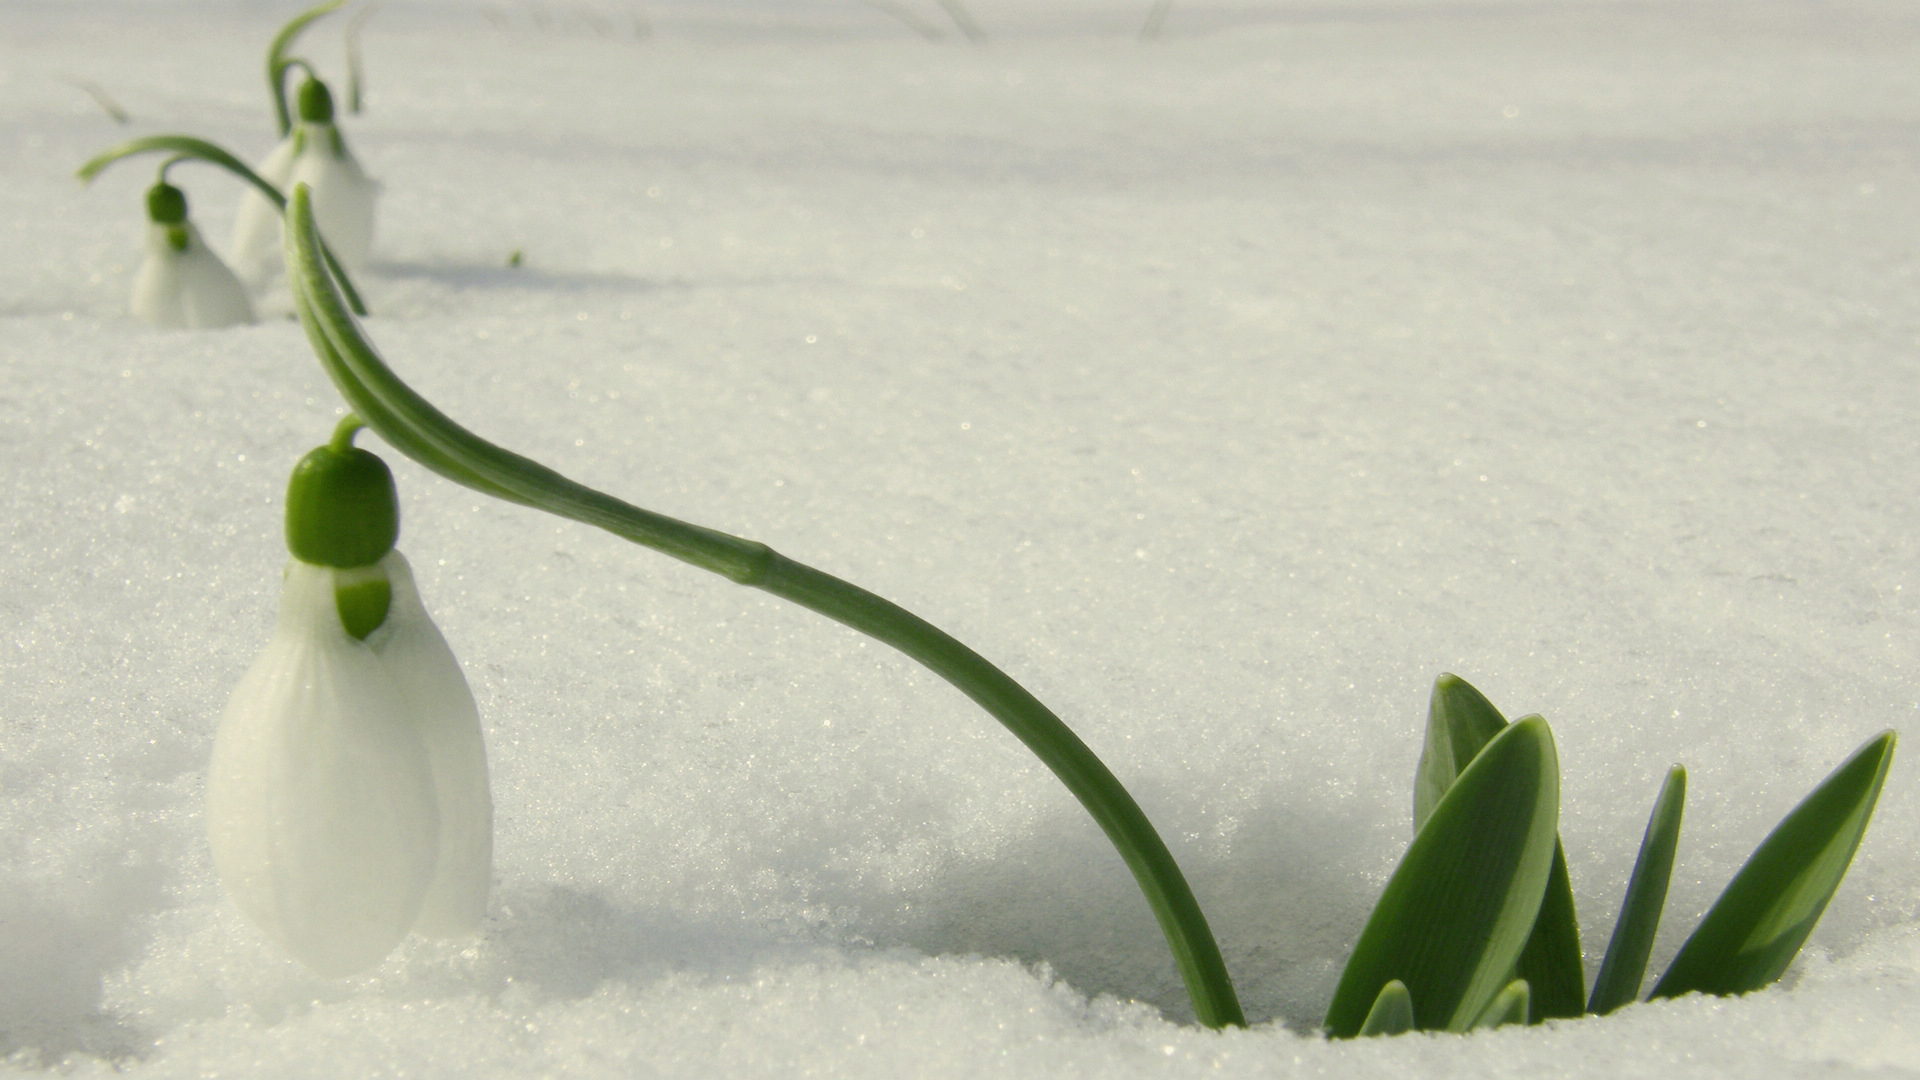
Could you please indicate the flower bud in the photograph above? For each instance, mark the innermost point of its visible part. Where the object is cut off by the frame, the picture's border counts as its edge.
(166, 205)
(182, 284)
(315, 102)
(314, 154)
(342, 509)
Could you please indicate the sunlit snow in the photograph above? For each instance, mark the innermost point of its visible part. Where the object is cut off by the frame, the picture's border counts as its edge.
(1224, 388)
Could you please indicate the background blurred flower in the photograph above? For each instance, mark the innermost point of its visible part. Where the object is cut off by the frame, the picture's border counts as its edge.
(182, 284)
(315, 154)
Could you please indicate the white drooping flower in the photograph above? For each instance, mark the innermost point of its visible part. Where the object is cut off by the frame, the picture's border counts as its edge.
(314, 154)
(182, 285)
(347, 801)
(442, 709)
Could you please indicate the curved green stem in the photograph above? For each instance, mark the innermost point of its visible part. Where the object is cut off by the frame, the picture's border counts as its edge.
(413, 426)
(186, 146)
(278, 63)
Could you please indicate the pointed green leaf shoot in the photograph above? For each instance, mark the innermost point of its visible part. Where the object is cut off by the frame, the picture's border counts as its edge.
(1551, 962)
(1510, 1006)
(1756, 928)
(1460, 720)
(1392, 1012)
(1626, 964)
(413, 426)
(1458, 910)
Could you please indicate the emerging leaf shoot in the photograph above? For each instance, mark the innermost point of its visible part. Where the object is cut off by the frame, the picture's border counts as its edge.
(1392, 1012)
(1458, 910)
(1756, 928)
(1510, 1006)
(1460, 720)
(1626, 964)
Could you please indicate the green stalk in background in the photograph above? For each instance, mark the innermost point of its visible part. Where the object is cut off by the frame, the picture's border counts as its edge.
(278, 62)
(414, 427)
(186, 146)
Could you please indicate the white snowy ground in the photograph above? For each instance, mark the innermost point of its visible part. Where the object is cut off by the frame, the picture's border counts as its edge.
(1224, 389)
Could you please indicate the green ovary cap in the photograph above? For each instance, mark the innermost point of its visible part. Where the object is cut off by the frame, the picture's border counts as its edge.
(315, 102)
(342, 509)
(166, 205)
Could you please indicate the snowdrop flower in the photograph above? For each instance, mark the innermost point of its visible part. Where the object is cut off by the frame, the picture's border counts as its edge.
(314, 154)
(347, 801)
(182, 284)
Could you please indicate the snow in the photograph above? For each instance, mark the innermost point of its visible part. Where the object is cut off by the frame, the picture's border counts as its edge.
(1224, 389)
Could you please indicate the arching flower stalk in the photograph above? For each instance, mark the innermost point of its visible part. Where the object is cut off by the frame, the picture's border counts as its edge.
(279, 62)
(183, 284)
(314, 153)
(347, 800)
(414, 427)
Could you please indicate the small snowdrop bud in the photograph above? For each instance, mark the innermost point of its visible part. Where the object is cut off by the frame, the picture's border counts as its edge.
(166, 204)
(183, 285)
(347, 801)
(314, 153)
(315, 102)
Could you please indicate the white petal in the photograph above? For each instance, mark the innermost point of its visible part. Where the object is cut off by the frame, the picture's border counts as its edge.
(343, 196)
(256, 226)
(189, 289)
(156, 287)
(443, 713)
(320, 803)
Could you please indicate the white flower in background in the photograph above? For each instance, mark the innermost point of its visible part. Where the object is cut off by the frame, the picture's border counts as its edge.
(314, 154)
(182, 284)
(347, 801)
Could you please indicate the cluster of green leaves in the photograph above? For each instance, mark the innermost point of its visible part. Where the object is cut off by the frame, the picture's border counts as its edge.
(1476, 928)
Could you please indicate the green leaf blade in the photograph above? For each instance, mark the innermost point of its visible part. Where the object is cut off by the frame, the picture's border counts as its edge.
(1458, 910)
(1625, 965)
(1551, 962)
(1756, 928)
(1460, 720)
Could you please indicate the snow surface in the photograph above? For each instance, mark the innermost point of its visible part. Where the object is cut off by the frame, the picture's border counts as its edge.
(1224, 389)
